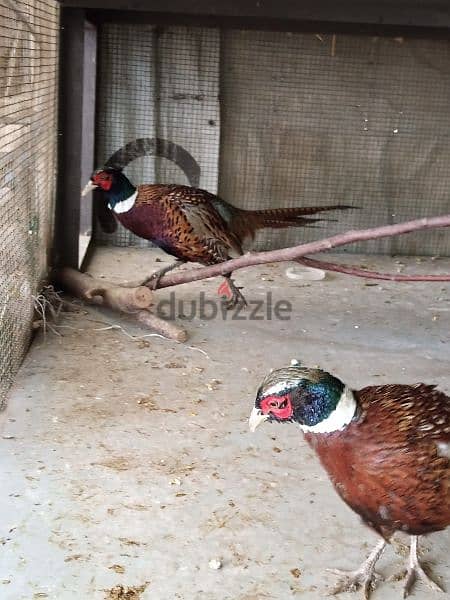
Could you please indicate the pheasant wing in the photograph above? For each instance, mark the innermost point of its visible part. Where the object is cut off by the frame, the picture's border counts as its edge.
(207, 224)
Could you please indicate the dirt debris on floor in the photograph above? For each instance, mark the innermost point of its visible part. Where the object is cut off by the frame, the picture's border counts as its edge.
(120, 592)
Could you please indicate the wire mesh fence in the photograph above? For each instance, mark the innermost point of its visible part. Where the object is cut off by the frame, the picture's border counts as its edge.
(28, 79)
(284, 119)
(159, 83)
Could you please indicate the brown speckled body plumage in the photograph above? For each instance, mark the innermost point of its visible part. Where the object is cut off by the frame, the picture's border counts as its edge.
(385, 448)
(183, 222)
(391, 464)
(197, 226)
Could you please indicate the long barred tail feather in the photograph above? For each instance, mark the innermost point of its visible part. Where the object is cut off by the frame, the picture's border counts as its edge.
(247, 222)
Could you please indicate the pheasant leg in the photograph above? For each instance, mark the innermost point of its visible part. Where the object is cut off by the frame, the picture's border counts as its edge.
(415, 571)
(153, 280)
(364, 577)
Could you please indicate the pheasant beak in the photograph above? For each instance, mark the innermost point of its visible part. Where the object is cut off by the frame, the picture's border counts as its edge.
(88, 188)
(256, 418)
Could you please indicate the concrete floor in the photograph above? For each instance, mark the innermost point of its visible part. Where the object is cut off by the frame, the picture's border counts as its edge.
(128, 462)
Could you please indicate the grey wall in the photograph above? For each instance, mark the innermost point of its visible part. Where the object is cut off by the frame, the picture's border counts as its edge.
(304, 119)
(362, 121)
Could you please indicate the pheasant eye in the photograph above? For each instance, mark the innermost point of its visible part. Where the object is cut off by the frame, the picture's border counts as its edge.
(273, 404)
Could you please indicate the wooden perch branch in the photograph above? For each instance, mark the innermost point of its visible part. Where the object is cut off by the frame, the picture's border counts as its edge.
(258, 258)
(135, 301)
(357, 272)
(96, 291)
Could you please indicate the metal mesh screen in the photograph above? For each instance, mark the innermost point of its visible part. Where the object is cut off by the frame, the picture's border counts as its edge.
(28, 71)
(159, 84)
(296, 119)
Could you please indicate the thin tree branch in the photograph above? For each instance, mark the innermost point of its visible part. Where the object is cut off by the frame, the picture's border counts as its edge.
(258, 258)
(357, 272)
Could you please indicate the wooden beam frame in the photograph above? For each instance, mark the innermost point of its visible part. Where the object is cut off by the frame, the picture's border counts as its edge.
(76, 130)
(408, 13)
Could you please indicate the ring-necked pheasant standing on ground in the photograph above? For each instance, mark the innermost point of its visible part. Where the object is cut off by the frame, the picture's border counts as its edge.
(192, 224)
(385, 448)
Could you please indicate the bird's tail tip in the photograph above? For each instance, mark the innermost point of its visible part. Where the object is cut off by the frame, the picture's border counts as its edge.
(346, 207)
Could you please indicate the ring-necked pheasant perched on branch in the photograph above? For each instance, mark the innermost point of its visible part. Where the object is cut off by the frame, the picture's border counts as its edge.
(385, 448)
(192, 224)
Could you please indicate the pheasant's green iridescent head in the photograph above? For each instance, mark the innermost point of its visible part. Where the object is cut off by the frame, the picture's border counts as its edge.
(316, 400)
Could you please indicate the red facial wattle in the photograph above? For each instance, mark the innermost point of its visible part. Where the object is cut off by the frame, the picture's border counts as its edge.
(279, 406)
(103, 181)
